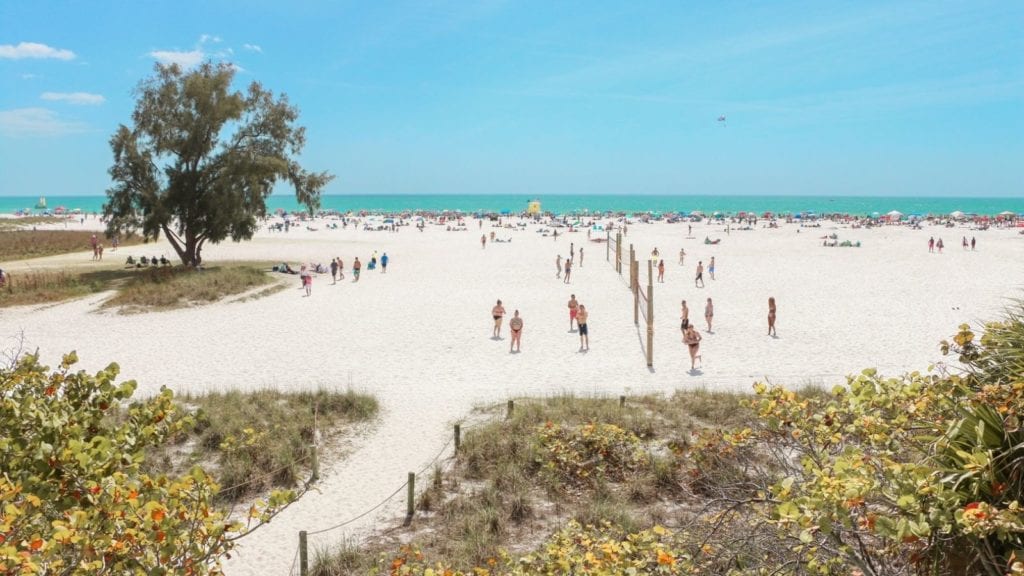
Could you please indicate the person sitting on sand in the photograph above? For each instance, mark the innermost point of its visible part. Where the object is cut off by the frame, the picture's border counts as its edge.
(692, 340)
(498, 312)
(516, 326)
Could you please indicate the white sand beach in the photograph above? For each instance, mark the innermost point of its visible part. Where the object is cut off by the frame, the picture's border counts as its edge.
(419, 337)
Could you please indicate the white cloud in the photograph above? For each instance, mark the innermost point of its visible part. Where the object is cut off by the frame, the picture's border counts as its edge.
(36, 122)
(29, 76)
(34, 50)
(253, 48)
(209, 38)
(183, 59)
(82, 98)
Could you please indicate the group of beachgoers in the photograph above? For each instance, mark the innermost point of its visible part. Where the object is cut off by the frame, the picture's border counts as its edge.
(937, 245)
(567, 265)
(336, 269)
(578, 315)
(692, 338)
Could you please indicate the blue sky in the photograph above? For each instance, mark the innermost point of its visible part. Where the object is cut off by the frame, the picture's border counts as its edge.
(921, 98)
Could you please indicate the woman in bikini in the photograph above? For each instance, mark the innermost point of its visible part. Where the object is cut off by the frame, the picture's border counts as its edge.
(516, 326)
(771, 316)
(692, 340)
(498, 312)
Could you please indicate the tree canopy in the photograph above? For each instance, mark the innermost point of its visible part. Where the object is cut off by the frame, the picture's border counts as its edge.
(200, 160)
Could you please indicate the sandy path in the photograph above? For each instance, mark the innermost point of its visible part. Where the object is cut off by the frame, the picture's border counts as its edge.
(419, 337)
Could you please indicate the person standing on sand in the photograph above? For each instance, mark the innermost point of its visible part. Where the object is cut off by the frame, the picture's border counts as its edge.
(661, 271)
(99, 251)
(384, 263)
(568, 270)
(572, 251)
(581, 256)
(692, 340)
(573, 310)
(939, 245)
(483, 241)
(684, 316)
(711, 268)
(516, 326)
(972, 243)
(581, 321)
(356, 267)
(558, 266)
(964, 243)
(771, 316)
(498, 312)
(341, 269)
(931, 244)
(334, 271)
(700, 275)
(709, 313)
(682, 256)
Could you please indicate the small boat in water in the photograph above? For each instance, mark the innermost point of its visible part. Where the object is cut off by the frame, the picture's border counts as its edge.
(41, 205)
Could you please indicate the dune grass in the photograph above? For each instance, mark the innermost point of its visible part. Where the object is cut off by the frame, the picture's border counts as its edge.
(173, 287)
(44, 286)
(22, 244)
(253, 442)
(556, 459)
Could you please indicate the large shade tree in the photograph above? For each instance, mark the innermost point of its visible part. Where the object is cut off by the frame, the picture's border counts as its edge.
(200, 159)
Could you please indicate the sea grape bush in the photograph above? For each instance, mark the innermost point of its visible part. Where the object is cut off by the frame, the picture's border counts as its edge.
(72, 497)
(579, 453)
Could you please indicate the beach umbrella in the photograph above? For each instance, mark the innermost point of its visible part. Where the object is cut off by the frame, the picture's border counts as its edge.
(506, 212)
(696, 213)
(894, 214)
(1006, 213)
(956, 214)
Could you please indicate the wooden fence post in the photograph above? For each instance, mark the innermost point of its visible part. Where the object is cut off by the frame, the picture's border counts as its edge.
(458, 437)
(411, 495)
(315, 462)
(622, 401)
(511, 408)
(607, 245)
(650, 325)
(636, 299)
(618, 252)
(303, 555)
(632, 258)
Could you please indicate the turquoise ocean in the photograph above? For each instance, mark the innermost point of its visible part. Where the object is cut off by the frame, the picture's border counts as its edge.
(629, 203)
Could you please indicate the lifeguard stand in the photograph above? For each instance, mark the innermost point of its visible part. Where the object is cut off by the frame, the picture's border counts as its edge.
(533, 208)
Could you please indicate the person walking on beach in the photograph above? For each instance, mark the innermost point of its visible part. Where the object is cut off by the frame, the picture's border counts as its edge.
(931, 244)
(972, 243)
(483, 241)
(572, 251)
(568, 270)
(964, 243)
(558, 266)
(356, 267)
(938, 245)
(99, 251)
(711, 268)
(581, 256)
(516, 326)
(684, 316)
(771, 316)
(498, 312)
(682, 255)
(692, 340)
(698, 281)
(341, 269)
(384, 263)
(306, 275)
(661, 271)
(573, 310)
(709, 313)
(334, 271)
(581, 322)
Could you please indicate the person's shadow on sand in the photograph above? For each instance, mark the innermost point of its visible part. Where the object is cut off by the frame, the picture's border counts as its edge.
(496, 338)
(696, 372)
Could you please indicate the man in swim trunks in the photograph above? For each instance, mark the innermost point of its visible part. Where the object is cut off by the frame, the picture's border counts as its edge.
(498, 312)
(698, 282)
(581, 322)
(356, 267)
(516, 326)
(568, 270)
(711, 268)
(573, 310)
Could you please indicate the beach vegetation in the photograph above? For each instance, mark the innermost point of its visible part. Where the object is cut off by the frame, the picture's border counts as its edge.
(22, 244)
(921, 473)
(200, 160)
(252, 442)
(74, 497)
(139, 290)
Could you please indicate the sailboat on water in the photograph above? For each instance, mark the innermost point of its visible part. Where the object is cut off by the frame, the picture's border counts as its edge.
(41, 205)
